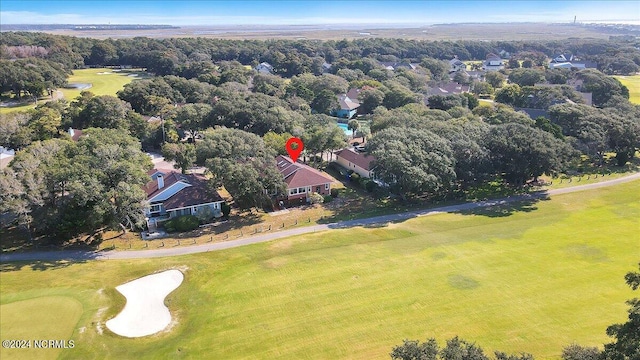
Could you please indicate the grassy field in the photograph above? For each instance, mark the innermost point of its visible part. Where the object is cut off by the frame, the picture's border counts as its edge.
(633, 84)
(532, 278)
(477, 31)
(50, 317)
(103, 82)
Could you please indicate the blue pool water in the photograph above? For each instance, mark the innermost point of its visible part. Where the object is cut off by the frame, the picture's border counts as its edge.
(345, 128)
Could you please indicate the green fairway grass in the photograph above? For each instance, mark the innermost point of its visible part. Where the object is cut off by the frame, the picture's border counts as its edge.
(633, 84)
(529, 278)
(36, 319)
(103, 81)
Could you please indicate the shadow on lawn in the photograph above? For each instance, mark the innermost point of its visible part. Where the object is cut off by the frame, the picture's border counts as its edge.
(508, 206)
(52, 264)
(490, 208)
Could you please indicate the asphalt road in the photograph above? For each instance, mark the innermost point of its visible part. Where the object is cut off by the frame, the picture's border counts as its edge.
(378, 220)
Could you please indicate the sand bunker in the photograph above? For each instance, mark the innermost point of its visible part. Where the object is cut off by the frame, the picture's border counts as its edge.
(145, 313)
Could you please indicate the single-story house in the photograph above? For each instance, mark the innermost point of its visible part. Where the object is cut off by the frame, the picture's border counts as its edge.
(348, 107)
(456, 65)
(533, 113)
(573, 65)
(302, 180)
(449, 88)
(6, 155)
(75, 134)
(394, 65)
(172, 194)
(264, 68)
(358, 162)
(476, 75)
(493, 63)
(568, 61)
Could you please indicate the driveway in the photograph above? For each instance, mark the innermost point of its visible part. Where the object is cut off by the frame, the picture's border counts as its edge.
(378, 220)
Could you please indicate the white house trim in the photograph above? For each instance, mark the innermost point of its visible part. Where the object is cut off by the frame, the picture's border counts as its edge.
(169, 191)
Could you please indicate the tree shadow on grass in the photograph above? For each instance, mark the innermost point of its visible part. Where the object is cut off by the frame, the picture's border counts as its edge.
(44, 265)
(508, 206)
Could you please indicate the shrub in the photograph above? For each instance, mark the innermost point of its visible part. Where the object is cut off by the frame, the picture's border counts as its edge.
(182, 224)
(226, 210)
(205, 214)
(370, 185)
(316, 198)
(334, 193)
(327, 199)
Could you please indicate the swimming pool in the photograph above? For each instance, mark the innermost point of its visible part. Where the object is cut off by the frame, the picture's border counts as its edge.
(345, 128)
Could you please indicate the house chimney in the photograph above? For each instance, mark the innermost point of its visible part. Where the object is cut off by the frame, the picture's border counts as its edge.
(160, 180)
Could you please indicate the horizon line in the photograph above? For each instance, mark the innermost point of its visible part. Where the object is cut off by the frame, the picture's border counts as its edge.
(590, 21)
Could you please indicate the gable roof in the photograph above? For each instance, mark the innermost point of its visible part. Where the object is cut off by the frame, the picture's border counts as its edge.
(361, 160)
(170, 178)
(75, 134)
(195, 193)
(346, 103)
(456, 62)
(392, 65)
(449, 89)
(299, 175)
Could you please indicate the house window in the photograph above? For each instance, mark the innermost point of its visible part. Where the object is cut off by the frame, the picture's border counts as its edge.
(293, 191)
(155, 208)
(326, 186)
(302, 190)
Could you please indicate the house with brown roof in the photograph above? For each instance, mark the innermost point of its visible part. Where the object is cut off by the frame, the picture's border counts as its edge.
(75, 134)
(302, 180)
(450, 88)
(360, 163)
(172, 194)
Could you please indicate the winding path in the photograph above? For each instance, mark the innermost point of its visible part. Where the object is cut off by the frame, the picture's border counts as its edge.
(143, 254)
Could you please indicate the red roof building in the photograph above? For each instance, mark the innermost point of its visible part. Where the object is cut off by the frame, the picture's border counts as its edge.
(302, 180)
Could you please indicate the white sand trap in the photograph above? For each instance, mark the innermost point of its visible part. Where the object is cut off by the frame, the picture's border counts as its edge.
(104, 73)
(144, 313)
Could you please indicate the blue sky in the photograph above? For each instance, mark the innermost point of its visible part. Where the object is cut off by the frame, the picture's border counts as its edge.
(291, 12)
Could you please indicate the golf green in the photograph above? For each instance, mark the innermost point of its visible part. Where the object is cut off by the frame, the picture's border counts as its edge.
(527, 278)
(37, 321)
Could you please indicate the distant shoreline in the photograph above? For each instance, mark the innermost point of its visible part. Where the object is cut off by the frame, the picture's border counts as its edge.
(507, 31)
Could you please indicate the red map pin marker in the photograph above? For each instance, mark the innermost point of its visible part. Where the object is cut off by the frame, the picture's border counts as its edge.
(294, 147)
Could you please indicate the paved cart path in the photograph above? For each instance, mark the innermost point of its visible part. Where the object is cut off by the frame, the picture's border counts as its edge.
(377, 220)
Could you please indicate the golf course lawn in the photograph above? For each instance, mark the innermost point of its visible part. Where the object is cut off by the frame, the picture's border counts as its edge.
(103, 81)
(633, 84)
(532, 279)
(41, 318)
